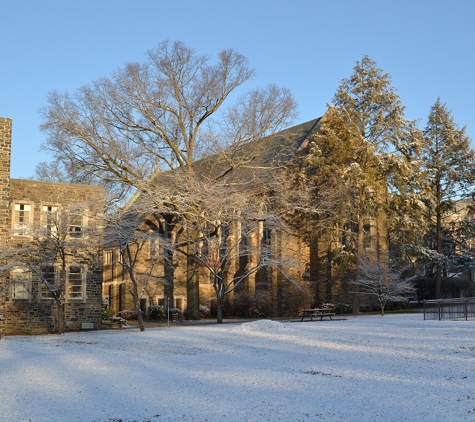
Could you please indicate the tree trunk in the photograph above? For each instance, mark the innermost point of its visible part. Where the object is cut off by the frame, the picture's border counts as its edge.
(135, 294)
(328, 296)
(169, 275)
(57, 297)
(219, 309)
(192, 287)
(359, 260)
(438, 269)
(139, 315)
(60, 308)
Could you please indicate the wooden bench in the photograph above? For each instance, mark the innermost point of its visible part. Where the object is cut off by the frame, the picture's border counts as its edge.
(315, 313)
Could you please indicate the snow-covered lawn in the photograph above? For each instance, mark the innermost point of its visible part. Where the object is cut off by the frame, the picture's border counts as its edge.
(367, 368)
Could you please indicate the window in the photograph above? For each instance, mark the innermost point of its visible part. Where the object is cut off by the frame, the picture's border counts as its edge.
(21, 219)
(76, 289)
(179, 303)
(75, 224)
(266, 235)
(154, 248)
(50, 276)
(50, 220)
(21, 281)
(368, 235)
(108, 257)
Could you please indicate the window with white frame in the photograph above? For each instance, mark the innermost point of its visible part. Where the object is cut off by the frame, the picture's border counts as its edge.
(76, 283)
(22, 219)
(49, 282)
(21, 283)
(50, 220)
(76, 221)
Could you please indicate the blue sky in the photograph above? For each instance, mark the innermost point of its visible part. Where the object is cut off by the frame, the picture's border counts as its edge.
(305, 45)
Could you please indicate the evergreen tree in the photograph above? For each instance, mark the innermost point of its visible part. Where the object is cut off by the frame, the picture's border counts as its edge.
(358, 149)
(447, 175)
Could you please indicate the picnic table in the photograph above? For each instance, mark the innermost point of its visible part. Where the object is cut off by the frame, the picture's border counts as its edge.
(316, 312)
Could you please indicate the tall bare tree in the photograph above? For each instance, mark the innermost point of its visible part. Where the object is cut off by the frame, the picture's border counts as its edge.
(164, 114)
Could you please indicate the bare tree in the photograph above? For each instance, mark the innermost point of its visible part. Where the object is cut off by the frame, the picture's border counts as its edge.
(227, 230)
(164, 114)
(59, 240)
(384, 282)
(132, 233)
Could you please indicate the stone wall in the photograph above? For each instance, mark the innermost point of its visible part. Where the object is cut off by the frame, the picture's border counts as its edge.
(5, 148)
(37, 315)
(287, 297)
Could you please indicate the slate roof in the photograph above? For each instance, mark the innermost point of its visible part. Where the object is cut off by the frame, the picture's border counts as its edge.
(262, 156)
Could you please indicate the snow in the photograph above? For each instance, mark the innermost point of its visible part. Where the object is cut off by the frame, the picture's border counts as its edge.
(365, 368)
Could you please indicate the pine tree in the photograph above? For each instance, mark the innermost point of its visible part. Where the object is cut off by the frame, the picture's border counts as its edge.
(447, 175)
(358, 145)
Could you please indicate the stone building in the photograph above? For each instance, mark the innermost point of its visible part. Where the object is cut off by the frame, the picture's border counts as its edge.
(319, 280)
(31, 212)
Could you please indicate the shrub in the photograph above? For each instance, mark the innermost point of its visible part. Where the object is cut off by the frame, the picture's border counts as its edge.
(243, 302)
(118, 320)
(258, 305)
(156, 312)
(263, 304)
(330, 306)
(226, 307)
(129, 315)
(106, 311)
(397, 306)
(175, 311)
(204, 311)
(366, 308)
(300, 296)
(343, 308)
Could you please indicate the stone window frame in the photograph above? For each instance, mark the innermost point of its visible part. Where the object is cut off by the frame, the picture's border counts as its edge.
(108, 257)
(26, 284)
(45, 213)
(369, 234)
(43, 293)
(77, 222)
(28, 225)
(177, 300)
(154, 245)
(68, 290)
